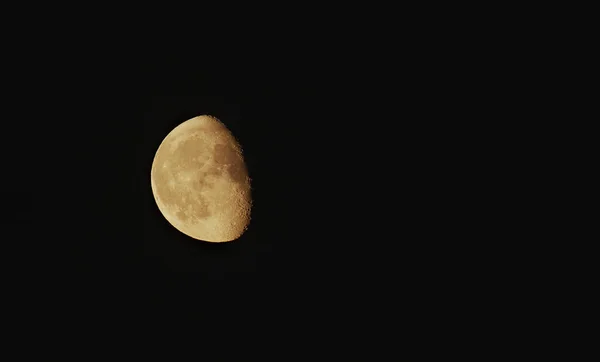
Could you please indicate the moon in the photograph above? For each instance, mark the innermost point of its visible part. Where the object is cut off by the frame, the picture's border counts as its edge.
(200, 181)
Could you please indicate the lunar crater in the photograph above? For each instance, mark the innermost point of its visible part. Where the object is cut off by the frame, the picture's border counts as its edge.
(225, 154)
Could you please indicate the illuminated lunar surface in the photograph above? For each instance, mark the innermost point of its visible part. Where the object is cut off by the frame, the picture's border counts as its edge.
(200, 181)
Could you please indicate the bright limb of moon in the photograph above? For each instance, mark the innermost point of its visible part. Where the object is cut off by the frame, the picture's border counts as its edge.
(200, 181)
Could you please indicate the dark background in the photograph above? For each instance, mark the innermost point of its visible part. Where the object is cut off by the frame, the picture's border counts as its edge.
(334, 219)
(387, 158)
(81, 223)
(356, 171)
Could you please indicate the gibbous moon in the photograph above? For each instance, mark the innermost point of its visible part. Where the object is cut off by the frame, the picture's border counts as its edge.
(200, 181)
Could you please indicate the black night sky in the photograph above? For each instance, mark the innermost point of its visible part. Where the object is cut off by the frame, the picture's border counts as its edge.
(86, 213)
(392, 159)
(342, 201)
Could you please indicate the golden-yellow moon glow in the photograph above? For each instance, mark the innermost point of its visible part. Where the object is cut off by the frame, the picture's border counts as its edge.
(200, 181)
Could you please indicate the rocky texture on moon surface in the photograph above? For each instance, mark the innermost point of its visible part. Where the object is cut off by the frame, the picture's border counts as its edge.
(200, 181)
